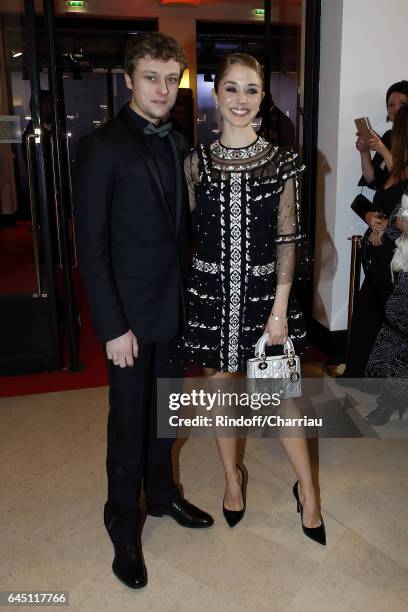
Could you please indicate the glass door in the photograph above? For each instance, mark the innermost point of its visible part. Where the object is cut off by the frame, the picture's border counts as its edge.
(32, 299)
(86, 104)
(55, 89)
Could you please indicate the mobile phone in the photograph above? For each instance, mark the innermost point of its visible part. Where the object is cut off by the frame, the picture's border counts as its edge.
(363, 126)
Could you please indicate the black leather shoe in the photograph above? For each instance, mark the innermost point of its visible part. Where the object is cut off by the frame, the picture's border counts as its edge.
(186, 514)
(318, 534)
(234, 516)
(128, 565)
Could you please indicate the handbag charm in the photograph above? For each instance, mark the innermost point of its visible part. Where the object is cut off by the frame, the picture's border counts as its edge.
(274, 374)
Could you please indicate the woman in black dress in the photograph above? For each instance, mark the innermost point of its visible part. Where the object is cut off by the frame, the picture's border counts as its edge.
(376, 171)
(368, 315)
(244, 194)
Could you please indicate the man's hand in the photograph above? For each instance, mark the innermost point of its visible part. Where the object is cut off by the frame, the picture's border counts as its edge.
(376, 221)
(122, 350)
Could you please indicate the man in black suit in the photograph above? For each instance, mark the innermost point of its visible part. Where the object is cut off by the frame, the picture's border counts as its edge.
(132, 220)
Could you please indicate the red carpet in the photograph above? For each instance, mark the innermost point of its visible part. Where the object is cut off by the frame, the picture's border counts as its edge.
(17, 270)
(91, 357)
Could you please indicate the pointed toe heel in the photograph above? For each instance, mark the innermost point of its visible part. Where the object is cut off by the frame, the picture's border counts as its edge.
(317, 534)
(233, 517)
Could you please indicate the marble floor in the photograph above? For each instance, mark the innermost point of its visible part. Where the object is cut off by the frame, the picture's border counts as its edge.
(52, 536)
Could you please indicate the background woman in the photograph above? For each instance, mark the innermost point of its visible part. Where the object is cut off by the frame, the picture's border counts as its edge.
(389, 357)
(244, 194)
(376, 171)
(368, 315)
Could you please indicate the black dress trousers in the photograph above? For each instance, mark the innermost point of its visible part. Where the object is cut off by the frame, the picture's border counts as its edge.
(135, 455)
(368, 318)
(369, 309)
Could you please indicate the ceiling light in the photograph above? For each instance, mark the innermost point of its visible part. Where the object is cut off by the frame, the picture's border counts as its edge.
(185, 81)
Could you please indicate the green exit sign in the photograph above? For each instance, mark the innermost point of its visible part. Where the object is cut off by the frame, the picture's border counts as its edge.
(75, 3)
(260, 12)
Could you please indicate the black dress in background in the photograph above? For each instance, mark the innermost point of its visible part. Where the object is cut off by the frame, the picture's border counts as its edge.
(280, 131)
(389, 357)
(369, 308)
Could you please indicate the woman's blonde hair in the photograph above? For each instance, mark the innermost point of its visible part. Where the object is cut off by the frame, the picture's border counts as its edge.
(242, 59)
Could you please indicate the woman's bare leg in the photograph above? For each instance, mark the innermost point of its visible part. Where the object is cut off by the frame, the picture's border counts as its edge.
(298, 452)
(228, 452)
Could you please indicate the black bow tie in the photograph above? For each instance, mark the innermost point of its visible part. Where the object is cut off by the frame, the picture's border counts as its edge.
(160, 130)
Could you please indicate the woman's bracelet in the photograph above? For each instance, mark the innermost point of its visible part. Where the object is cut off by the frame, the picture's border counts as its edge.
(275, 318)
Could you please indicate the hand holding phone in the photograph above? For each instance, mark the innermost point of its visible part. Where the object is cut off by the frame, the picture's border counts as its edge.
(364, 128)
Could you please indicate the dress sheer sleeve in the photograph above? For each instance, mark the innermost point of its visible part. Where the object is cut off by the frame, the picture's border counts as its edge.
(293, 260)
(192, 175)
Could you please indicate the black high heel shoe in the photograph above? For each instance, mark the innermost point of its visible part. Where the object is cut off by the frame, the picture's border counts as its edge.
(234, 516)
(318, 534)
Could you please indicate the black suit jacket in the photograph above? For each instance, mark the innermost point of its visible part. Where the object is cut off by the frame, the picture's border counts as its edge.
(132, 252)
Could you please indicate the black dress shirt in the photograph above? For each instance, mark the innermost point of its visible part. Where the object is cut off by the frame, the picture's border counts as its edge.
(163, 158)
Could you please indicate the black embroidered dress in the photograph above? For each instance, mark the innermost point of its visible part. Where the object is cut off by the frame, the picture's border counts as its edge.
(247, 239)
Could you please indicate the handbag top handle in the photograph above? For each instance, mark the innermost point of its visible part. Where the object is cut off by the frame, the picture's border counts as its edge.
(260, 347)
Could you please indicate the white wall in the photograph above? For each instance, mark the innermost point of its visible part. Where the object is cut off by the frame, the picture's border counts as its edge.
(362, 53)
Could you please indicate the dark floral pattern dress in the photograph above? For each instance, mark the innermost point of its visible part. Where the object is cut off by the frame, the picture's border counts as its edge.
(389, 357)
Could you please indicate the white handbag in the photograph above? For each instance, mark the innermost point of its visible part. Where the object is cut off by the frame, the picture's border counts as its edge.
(277, 374)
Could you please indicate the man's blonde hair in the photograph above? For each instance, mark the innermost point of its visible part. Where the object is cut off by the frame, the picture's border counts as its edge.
(154, 45)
